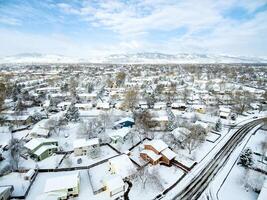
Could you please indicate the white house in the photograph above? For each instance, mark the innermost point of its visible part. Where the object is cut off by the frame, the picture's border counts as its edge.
(224, 112)
(84, 147)
(62, 187)
(40, 129)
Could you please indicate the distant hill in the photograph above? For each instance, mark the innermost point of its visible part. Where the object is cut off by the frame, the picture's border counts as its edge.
(146, 57)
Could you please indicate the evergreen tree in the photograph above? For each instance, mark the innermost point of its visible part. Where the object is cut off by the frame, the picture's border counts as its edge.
(72, 113)
(218, 126)
(245, 158)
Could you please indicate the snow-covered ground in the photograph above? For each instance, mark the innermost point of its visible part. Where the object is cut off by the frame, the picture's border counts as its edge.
(105, 152)
(235, 185)
(17, 180)
(166, 175)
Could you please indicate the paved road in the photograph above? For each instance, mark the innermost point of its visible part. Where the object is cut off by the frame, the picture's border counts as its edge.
(199, 183)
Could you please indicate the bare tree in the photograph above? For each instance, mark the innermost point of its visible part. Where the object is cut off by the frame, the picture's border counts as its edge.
(149, 175)
(15, 148)
(2, 94)
(131, 99)
(120, 78)
(143, 122)
(193, 139)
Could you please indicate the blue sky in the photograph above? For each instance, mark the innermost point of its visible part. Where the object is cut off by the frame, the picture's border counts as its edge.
(85, 28)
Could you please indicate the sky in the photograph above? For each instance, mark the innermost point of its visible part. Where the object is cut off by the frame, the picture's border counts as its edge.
(84, 28)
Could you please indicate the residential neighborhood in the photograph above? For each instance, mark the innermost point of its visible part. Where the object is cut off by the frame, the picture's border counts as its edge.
(133, 100)
(128, 132)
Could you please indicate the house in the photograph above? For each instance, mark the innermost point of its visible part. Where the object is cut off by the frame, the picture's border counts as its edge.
(157, 151)
(84, 147)
(119, 135)
(160, 105)
(224, 112)
(64, 105)
(125, 122)
(121, 166)
(179, 106)
(115, 186)
(62, 187)
(40, 130)
(180, 134)
(161, 122)
(102, 105)
(84, 106)
(199, 108)
(205, 125)
(41, 148)
(19, 120)
(5, 192)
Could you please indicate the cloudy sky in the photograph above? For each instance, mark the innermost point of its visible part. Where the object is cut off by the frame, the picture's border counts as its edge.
(84, 28)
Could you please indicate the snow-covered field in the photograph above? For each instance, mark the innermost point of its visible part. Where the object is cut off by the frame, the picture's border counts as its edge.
(235, 185)
(17, 180)
(105, 152)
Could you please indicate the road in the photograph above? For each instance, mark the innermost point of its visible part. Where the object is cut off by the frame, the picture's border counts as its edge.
(200, 182)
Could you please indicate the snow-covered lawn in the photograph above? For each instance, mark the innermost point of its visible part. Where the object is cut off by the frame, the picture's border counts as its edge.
(105, 152)
(212, 137)
(167, 176)
(66, 143)
(135, 154)
(235, 185)
(48, 163)
(17, 180)
(98, 175)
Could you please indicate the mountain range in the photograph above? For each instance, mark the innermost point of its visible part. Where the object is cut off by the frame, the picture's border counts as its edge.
(146, 57)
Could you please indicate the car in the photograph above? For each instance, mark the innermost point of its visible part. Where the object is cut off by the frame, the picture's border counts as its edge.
(255, 117)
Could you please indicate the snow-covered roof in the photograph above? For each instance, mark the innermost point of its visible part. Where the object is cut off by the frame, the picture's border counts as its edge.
(203, 124)
(224, 109)
(103, 105)
(151, 154)
(87, 95)
(114, 183)
(64, 103)
(85, 143)
(35, 142)
(123, 165)
(159, 145)
(83, 105)
(160, 105)
(119, 132)
(39, 128)
(168, 153)
(176, 105)
(62, 182)
(124, 120)
(160, 118)
(43, 148)
(180, 131)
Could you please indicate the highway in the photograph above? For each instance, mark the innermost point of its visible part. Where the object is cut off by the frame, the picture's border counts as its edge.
(199, 183)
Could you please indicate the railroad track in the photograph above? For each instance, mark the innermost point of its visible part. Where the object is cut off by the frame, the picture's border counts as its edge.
(199, 183)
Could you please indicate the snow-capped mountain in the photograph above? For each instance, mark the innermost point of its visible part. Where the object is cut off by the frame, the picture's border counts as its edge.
(38, 58)
(179, 58)
(132, 58)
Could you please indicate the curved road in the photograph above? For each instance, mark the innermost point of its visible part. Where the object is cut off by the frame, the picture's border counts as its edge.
(199, 183)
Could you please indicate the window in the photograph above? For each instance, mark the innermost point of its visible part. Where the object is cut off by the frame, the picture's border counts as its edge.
(70, 189)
